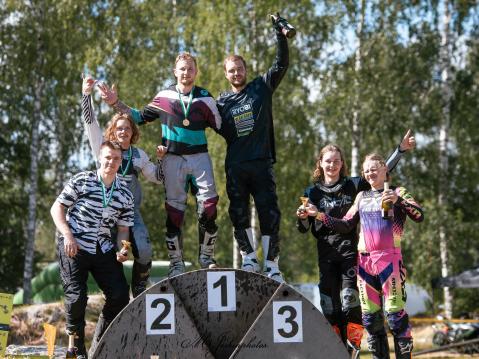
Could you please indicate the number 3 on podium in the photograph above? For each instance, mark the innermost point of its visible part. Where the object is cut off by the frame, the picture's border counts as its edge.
(221, 289)
(287, 322)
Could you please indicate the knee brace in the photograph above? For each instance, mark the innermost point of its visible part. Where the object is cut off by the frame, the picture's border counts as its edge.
(207, 210)
(174, 219)
(374, 323)
(349, 299)
(326, 306)
(399, 324)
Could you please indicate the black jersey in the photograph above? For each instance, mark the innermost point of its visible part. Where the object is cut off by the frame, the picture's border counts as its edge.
(335, 200)
(248, 115)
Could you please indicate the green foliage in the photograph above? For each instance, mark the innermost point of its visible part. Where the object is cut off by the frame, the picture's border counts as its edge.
(134, 44)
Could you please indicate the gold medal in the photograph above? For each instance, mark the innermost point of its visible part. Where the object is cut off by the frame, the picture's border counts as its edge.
(186, 122)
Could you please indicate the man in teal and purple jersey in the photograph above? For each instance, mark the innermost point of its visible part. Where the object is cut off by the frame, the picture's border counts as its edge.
(185, 111)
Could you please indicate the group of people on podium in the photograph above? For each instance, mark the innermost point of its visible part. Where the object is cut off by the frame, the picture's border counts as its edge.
(98, 209)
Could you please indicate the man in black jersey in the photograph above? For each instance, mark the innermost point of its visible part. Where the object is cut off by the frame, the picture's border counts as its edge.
(247, 127)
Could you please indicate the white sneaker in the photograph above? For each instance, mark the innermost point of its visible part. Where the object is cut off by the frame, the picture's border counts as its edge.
(271, 270)
(250, 265)
(176, 268)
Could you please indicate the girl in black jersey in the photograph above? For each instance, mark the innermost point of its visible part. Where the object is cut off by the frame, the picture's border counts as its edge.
(333, 192)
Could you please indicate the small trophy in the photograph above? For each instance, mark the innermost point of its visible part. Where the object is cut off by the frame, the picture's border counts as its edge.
(304, 203)
(125, 247)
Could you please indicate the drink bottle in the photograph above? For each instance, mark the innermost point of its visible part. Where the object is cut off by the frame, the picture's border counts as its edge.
(387, 211)
(286, 28)
(72, 350)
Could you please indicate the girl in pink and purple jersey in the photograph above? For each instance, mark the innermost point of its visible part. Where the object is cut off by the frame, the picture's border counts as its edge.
(381, 272)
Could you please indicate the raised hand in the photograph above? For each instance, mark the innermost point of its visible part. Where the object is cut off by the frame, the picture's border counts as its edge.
(88, 84)
(161, 151)
(408, 142)
(109, 95)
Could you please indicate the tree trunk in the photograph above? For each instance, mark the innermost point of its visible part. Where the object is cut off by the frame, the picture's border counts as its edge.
(38, 93)
(446, 95)
(32, 196)
(355, 133)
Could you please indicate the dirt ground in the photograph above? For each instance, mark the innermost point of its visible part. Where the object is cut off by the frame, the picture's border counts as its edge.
(27, 328)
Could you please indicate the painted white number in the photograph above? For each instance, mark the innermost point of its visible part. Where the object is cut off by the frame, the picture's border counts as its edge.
(160, 314)
(288, 322)
(221, 291)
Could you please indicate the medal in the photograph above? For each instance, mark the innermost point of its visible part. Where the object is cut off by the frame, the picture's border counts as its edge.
(186, 109)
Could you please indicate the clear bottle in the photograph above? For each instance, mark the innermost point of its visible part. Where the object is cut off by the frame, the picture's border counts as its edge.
(387, 207)
(72, 350)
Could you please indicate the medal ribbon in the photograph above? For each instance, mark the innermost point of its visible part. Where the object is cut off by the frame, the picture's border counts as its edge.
(106, 200)
(123, 172)
(186, 110)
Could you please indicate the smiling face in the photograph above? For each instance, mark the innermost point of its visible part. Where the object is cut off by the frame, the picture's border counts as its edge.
(331, 164)
(185, 72)
(123, 132)
(375, 172)
(110, 160)
(235, 73)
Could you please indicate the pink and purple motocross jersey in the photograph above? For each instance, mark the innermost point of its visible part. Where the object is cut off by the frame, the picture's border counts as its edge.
(377, 234)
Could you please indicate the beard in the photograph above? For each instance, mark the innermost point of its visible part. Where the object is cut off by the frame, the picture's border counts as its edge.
(187, 82)
(238, 83)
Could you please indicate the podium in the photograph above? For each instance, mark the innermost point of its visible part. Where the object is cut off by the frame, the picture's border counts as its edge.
(220, 313)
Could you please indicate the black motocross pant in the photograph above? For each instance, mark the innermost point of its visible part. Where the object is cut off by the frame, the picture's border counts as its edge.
(107, 272)
(338, 290)
(254, 178)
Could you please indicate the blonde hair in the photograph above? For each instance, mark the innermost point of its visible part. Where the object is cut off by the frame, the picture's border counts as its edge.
(185, 56)
(373, 156)
(318, 173)
(110, 131)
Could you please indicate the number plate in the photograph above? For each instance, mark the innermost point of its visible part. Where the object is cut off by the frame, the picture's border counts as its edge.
(287, 322)
(221, 291)
(160, 314)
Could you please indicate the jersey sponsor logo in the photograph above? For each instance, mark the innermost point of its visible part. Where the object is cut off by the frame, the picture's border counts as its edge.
(204, 92)
(243, 119)
(328, 202)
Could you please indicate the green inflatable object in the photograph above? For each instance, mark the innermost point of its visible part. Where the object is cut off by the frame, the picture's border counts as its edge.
(47, 286)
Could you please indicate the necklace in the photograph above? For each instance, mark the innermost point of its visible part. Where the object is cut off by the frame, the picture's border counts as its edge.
(106, 198)
(186, 109)
(124, 171)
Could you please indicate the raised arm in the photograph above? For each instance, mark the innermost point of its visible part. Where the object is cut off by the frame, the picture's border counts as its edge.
(408, 143)
(92, 127)
(276, 72)
(140, 117)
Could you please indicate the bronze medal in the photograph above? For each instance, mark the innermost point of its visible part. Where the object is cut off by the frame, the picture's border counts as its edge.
(186, 122)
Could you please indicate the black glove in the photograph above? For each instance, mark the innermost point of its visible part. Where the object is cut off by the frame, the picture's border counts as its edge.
(275, 20)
